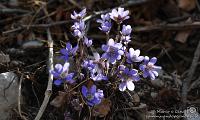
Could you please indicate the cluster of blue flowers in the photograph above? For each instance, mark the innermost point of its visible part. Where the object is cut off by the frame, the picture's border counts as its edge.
(117, 61)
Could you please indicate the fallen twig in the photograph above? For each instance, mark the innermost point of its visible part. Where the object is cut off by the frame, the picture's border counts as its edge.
(187, 80)
(15, 11)
(19, 98)
(130, 3)
(48, 91)
(162, 27)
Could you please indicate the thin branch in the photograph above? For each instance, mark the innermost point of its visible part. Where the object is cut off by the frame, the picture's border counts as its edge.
(49, 86)
(19, 98)
(163, 27)
(128, 4)
(187, 81)
(13, 11)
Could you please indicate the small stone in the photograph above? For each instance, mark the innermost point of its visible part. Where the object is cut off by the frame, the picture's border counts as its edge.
(157, 82)
(154, 94)
(32, 44)
(8, 93)
(4, 58)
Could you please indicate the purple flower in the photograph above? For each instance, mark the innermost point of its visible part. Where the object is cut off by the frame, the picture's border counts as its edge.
(126, 30)
(87, 42)
(149, 69)
(88, 64)
(113, 51)
(61, 73)
(105, 23)
(104, 18)
(125, 39)
(105, 26)
(78, 16)
(127, 77)
(92, 96)
(94, 66)
(79, 29)
(133, 56)
(68, 51)
(119, 15)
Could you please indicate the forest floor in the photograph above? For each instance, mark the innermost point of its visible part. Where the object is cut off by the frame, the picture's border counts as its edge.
(166, 29)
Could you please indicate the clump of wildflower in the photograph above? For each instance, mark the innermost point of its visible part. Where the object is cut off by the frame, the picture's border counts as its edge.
(119, 15)
(134, 56)
(61, 74)
(95, 68)
(127, 77)
(78, 16)
(68, 51)
(79, 29)
(113, 51)
(87, 42)
(92, 96)
(104, 18)
(126, 30)
(149, 68)
(125, 34)
(105, 23)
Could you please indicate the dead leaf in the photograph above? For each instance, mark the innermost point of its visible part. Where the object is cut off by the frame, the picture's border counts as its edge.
(182, 36)
(4, 58)
(187, 5)
(102, 109)
(59, 100)
(136, 98)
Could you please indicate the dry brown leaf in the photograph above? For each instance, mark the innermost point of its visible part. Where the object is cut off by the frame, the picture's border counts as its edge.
(102, 109)
(187, 5)
(182, 36)
(4, 58)
(136, 98)
(59, 100)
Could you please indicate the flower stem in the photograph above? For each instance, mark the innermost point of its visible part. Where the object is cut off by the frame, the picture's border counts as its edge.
(118, 32)
(107, 36)
(78, 85)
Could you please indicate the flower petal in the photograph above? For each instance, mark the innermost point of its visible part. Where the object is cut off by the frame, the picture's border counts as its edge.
(137, 52)
(153, 60)
(139, 59)
(64, 51)
(122, 86)
(58, 82)
(133, 72)
(69, 76)
(66, 67)
(118, 45)
(93, 89)
(145, 74)
(105, 47)
(131, 52)
(130, 85)
(152, 76)
(68, 46)
(157, 68)
(84, 91)
(55, 74)
(58, 68)
(96, 56)
(142, 67)
(125, 13)
(111, 42)
(155, 73)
